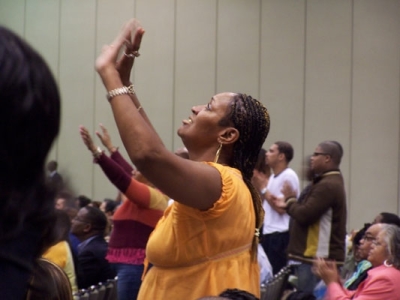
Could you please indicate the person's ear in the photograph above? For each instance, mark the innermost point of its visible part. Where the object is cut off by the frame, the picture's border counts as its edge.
(229, 135)
(281, 156)
(87, 228)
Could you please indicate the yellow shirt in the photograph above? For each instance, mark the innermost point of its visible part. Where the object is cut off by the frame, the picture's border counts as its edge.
(61, 255)
(202, 253)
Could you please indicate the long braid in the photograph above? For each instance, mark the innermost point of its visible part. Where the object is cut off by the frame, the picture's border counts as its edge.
(251, 119)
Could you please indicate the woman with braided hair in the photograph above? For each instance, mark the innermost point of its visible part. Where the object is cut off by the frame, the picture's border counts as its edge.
(206, 242)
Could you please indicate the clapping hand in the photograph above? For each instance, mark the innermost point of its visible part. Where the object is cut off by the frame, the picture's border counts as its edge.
(326, 270)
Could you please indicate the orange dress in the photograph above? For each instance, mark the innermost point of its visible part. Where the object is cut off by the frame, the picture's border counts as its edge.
(202, 253)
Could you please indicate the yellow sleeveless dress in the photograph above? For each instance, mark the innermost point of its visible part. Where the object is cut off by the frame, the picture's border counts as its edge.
(202, 253)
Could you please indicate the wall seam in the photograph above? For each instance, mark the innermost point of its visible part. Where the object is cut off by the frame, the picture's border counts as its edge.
(304, 79)
(216, 48)
(174, 136)
(94, 86)
(259, 49)
(351, 105)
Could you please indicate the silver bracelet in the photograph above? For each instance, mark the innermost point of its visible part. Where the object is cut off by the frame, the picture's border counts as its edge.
(120, 91)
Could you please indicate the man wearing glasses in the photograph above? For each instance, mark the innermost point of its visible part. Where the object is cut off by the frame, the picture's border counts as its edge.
(89, 226)
(318, 220)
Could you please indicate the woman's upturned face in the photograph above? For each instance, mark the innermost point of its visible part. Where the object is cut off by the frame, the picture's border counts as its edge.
(378, 253)
(202, 126)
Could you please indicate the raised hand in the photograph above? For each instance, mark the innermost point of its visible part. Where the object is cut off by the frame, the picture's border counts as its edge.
(87, 139)
(107, 64)
(105, 138)
(132, 46)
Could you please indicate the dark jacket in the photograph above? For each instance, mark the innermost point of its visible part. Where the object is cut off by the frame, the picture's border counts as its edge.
(92, 264)
(318, 223)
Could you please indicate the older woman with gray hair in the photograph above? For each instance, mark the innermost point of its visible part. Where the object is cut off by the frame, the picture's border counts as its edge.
(384, 277)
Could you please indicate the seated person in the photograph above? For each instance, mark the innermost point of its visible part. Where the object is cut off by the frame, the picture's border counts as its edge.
(48, 281)
(60, 251)
(383, 278)
(362, 242)
(89, 227)
(387, 218)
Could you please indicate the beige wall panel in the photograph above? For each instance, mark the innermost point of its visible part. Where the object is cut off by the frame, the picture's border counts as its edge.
(282, 72)
(154, 71)
(238, 46)
(328, 76)
(195, 58)
(107, 28)
(77, 77)
(375, 117)
(42, 32)
(12, 15)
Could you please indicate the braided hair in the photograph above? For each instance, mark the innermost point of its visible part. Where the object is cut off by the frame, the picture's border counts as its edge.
(250, 117)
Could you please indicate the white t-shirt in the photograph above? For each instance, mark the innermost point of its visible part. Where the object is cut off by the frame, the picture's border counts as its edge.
(274, 221)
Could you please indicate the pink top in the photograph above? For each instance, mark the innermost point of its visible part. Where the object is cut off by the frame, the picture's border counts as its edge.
(382, 283)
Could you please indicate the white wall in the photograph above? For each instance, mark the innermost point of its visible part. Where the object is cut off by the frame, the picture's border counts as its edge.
(325, 70)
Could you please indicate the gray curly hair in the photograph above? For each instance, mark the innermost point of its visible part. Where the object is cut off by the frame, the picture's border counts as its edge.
(391, 236)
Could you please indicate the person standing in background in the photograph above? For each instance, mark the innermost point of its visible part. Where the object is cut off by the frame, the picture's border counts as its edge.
(318, 220)
(275, 237)
(54, 179)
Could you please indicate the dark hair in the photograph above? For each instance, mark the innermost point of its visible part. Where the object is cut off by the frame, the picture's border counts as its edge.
(48, 282)
(236, 294)
(52, 165)
(62, 226)
(97, 218)
(286, 149)
(261, 164)
(30, 115)
(334, 149)
(250, 117)
(83, 201)
(389, 218)
(360, 234)
(110, 206)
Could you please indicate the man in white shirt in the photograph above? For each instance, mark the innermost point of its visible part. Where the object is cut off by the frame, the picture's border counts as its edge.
(276, 222)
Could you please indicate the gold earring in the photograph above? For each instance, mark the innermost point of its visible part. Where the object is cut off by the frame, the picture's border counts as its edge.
(218, 153)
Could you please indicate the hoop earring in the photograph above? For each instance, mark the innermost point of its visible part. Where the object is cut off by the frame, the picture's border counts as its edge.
(218, 153)
(387, 264)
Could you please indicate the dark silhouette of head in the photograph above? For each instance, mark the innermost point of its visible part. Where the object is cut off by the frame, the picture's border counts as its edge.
(387, 218)
(30, 115)
(48, 282)
(261, 164)
(52, 166)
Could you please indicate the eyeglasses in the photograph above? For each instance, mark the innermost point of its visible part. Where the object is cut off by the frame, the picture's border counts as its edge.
(319, 153)
(376, 243)
(368, 238)
(80, 220)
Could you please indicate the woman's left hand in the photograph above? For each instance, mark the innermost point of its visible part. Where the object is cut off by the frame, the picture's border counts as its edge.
(125, 63)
